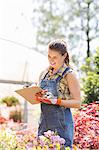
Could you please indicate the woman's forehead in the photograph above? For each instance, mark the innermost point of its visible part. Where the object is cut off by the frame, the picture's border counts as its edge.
(53, 52)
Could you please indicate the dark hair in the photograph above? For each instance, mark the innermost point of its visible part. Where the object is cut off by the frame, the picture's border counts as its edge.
(61, 47)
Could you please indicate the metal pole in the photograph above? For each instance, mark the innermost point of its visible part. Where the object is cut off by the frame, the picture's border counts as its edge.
(25, 115)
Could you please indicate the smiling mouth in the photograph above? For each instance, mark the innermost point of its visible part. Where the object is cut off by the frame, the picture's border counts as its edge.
(52, 63)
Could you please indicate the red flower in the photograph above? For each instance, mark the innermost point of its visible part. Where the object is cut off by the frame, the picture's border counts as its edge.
(2, 120)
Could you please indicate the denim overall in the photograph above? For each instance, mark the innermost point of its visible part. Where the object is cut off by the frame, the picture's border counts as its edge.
(55, 117)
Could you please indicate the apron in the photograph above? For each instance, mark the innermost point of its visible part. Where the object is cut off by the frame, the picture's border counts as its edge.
(55, 117)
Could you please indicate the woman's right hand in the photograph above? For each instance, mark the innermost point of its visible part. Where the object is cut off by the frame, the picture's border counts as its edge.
(41, 93)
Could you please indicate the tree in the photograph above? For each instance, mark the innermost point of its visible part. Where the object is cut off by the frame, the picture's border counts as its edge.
(50, 22)
(91, 81)
(75, 20)
(87, 12)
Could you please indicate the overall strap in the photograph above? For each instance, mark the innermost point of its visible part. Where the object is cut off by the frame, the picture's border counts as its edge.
(60, 77)
(43, 75)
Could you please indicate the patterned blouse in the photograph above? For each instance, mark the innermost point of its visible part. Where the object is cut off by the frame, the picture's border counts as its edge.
(62, 86)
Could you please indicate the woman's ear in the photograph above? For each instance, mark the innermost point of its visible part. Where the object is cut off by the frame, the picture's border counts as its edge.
(65, 55)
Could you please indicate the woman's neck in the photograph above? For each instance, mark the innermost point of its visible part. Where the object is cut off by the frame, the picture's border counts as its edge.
(56, 69)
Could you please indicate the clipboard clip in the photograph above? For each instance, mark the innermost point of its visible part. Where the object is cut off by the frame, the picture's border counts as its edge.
(26, 85)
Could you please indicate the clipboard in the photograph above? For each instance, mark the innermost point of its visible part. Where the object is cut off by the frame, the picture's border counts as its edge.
(29, 93)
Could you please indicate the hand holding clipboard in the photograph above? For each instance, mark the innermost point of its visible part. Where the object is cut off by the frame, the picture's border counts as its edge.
(29, 93)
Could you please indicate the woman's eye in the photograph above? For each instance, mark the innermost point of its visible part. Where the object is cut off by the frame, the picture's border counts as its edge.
(53, 58)
(49, 57)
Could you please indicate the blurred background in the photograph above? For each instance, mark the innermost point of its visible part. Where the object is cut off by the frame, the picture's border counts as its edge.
(27, 26)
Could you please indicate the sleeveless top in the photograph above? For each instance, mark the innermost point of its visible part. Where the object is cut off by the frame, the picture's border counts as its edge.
(62, 86)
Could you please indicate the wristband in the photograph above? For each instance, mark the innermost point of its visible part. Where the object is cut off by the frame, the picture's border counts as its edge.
(59, 101)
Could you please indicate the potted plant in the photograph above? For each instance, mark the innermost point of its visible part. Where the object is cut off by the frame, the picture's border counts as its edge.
(12, 107)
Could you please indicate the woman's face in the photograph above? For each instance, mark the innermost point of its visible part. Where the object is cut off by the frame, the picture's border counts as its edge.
(56, 60)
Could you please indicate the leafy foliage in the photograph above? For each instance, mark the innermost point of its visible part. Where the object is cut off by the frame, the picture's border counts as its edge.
(91, 79)
(10, 100)
(72, 20)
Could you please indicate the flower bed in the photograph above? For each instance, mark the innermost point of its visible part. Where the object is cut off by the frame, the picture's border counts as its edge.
(20, 136)
(14, 136)
(87, 127)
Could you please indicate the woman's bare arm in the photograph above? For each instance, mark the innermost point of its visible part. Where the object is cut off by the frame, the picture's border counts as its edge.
(74, 87)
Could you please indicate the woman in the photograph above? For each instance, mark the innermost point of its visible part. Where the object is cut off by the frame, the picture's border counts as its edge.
(63, 93)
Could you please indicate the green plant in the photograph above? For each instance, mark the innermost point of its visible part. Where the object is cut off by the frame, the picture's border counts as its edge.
(16, 116)
(10, 101)
(91, 88)
(91, 79)
(15, 111)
